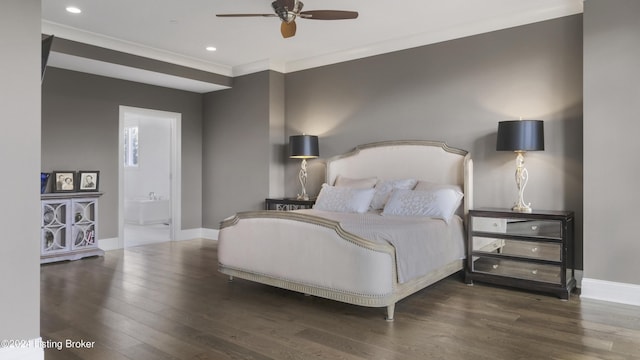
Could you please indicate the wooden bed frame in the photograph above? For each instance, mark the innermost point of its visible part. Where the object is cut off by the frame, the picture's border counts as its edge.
(315, 256)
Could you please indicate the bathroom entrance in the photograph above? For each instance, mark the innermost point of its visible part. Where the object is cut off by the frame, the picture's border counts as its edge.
(148, 189)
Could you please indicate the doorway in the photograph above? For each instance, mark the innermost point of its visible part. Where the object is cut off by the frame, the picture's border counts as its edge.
(149, 176)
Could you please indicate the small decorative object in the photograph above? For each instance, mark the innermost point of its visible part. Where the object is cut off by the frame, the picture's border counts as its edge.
(48, 217)
(64, 181)
(88, 180)
(49, 239)
(44, 179)
(303, 147)
(521, 136)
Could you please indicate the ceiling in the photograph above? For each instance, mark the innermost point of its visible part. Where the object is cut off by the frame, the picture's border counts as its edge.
(178, 32)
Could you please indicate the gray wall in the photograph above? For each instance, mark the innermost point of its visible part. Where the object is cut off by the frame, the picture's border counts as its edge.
(237, 152)
(457, 91)
(611, 127)
(80, 117)
(20, 159)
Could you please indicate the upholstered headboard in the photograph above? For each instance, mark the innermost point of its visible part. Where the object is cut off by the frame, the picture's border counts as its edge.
(422, 160)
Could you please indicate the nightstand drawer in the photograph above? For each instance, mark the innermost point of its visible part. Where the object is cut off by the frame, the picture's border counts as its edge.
(525, 249)
(537, 228)
(517, 269)
(490, 225)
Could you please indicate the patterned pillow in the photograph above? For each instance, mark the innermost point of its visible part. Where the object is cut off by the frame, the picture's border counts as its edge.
(441, 203)
(365, 183)
(384, 189)
(343, 199)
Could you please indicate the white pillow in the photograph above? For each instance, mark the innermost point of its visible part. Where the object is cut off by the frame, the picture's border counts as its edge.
(343, 199)
(384, 189)
(365, 183)
(441, 203)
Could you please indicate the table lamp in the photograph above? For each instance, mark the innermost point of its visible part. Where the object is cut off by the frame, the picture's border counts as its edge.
(303, 147)
(520, 136)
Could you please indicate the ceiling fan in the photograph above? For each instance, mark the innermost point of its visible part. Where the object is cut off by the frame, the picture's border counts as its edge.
(289, 10)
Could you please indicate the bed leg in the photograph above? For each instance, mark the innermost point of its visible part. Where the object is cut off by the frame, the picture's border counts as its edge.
(390, 309)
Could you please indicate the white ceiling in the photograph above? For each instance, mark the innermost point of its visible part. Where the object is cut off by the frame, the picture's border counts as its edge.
(178, 31)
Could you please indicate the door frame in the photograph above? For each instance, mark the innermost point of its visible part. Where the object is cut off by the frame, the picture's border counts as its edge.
(175, 176)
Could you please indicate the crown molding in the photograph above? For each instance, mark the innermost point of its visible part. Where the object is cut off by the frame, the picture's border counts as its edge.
(456, 32)
(99, 40)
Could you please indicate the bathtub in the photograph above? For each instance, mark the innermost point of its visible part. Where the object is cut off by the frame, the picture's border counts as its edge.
(147, 211)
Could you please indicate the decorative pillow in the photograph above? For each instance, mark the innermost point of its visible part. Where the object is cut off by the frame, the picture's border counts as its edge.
(365, 183)
(441, 203)
(343, 199)
(384, 189)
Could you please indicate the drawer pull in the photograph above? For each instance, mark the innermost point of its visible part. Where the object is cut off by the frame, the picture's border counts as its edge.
(534, 227)
(534, 249)
(494, 266)
(534, 272)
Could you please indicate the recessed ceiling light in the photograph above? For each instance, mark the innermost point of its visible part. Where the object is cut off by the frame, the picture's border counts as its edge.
(211, 48)
(73, 10)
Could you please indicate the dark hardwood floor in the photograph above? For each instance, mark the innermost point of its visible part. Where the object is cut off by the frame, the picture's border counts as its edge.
(168, 301)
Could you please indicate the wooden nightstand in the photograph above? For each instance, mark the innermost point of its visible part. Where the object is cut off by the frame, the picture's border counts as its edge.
(531, 251)
(288, 204)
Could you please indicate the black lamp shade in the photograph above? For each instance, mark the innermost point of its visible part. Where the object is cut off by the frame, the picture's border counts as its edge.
(520, 135)
(303, 147)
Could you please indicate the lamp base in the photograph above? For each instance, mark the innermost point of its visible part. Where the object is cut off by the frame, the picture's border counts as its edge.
(303, 197)
(521, 208)
(522, 176)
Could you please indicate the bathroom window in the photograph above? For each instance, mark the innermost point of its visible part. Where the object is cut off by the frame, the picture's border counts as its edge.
(131, 146)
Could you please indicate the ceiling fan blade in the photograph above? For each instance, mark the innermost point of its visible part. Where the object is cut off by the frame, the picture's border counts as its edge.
(246, 15)
(288, 29)
(328, 14)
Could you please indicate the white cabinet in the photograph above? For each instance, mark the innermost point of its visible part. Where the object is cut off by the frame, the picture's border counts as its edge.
(69, 225)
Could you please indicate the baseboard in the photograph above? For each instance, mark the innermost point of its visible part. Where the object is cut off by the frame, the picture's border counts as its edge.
(579, 276)
(200, 233)
(610, 291)
(109, 244)
(210, 234)
(188, 234)
(32, 350)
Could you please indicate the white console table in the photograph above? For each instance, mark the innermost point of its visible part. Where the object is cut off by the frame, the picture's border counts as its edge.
(69, 226)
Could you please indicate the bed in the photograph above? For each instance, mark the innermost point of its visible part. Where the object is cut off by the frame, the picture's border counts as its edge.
(359, 257)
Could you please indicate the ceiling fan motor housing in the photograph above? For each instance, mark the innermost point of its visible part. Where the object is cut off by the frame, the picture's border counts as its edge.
(284, 13)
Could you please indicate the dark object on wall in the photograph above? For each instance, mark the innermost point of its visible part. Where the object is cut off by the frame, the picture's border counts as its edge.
(46, 48)
(44, 179)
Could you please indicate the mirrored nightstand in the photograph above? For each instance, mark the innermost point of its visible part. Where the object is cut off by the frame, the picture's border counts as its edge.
(288, 204)
(531, 251)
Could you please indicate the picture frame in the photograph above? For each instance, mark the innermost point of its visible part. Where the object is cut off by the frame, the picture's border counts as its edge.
(63, 181)
(88, 180)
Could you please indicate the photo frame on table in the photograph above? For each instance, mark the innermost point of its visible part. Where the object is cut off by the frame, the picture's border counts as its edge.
(63, 181)
(88, 180)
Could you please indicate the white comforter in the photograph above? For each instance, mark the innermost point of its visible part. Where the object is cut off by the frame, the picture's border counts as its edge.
(422, 244)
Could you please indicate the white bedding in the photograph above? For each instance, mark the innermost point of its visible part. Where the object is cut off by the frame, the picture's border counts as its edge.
(422, 244)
